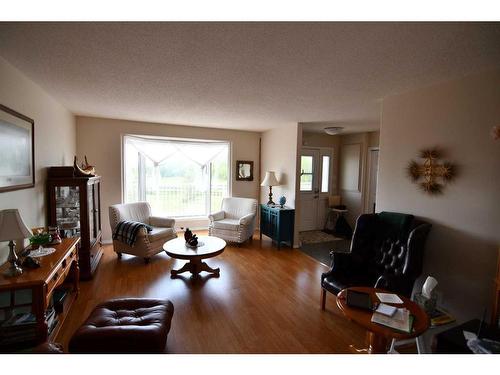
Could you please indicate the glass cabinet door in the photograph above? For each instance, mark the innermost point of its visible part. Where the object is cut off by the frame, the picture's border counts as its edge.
(92, 201)
(90, 197)
(68, 210)
(94, 216)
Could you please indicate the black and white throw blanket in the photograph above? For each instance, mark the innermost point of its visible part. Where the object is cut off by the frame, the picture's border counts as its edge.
(126, 231)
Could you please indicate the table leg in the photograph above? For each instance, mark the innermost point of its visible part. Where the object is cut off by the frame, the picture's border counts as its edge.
(188, 267)
(195, 267)
(376, 345)
(205, 267)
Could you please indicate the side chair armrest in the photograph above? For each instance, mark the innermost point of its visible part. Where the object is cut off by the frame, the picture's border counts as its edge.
(164, 222)
(339, 262)
(143, 233)
(247, 219)
(216, 216)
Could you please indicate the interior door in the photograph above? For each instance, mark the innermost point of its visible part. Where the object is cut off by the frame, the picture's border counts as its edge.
(309, 160)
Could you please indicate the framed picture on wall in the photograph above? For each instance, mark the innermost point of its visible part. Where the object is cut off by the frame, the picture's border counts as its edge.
(244, 170)
(17, 150)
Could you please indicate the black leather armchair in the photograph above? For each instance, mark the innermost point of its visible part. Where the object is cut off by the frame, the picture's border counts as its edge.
(386, 252)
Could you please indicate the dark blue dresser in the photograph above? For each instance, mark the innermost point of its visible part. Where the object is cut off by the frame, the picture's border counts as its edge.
(277, 223)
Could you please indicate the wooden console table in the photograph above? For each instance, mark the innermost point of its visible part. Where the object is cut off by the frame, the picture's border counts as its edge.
(32, 292)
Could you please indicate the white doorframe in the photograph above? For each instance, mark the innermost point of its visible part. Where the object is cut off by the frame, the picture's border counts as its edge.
(316, 198)
(368, 208)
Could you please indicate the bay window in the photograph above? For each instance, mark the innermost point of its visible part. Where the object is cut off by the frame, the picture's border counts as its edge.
(178, 178)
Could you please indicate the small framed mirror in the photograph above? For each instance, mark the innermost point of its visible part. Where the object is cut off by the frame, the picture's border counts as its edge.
(244, 170)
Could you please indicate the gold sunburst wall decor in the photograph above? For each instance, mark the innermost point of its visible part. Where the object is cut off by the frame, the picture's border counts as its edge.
(495, 133)
(431, 174)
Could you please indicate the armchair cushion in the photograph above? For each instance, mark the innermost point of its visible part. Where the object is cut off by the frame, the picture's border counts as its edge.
(219, 215)
(228, 224)
(341, 281)
(164, 222)
(159, 233)
(247, 219)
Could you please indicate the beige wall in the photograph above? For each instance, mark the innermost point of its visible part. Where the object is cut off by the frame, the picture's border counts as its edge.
(373, 139)
(315, 139)
(355, 199)
(462, 246)
(101, 140)
(54, 141)
(279, 154)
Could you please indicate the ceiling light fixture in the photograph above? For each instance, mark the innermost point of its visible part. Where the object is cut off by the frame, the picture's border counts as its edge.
(332, 130)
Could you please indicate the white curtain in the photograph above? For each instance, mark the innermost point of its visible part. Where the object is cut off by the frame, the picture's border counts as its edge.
(159, 150)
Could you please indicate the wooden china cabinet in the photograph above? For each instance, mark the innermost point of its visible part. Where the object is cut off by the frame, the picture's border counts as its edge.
(75, 207)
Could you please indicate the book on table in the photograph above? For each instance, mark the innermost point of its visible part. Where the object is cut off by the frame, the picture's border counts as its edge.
(389, 298)
(402, 320)
(387, 310)
(440, 317)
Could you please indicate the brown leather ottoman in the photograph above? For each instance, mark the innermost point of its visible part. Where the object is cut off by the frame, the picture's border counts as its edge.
(129, 325)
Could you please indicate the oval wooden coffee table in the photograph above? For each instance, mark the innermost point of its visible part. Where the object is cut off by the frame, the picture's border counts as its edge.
(379, 335)
(211, 247)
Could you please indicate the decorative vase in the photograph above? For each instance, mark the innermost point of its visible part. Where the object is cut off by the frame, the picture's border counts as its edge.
(190, 238)
(282, 201)
(187, 235)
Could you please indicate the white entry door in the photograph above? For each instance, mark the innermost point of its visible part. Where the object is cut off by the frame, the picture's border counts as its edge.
(315, 186)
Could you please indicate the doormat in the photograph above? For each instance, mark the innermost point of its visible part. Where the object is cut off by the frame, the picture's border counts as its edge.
(316, 236)
(321, 251)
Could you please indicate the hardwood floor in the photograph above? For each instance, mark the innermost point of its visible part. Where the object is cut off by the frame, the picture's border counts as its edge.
(265, 301)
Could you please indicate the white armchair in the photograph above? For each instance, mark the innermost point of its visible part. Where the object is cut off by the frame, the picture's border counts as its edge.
(236, 220)
(146, 244)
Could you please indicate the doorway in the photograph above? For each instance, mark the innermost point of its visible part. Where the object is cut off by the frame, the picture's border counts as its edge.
(315, 186)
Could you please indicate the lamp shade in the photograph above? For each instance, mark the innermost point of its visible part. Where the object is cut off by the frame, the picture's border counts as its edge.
(270, 180)
(12, 226)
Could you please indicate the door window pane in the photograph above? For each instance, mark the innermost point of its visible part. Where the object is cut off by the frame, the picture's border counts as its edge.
(306, 163)
(306, 173)
(325, 174)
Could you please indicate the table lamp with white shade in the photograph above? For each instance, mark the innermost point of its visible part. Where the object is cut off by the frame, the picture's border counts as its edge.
(12, 227)
(270, 180)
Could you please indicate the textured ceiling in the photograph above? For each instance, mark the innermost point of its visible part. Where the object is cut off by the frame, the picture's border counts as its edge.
(252, 76)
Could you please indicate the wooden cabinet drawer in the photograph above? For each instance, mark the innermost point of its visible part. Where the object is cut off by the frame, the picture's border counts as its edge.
(94, 252)
(60, 274)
